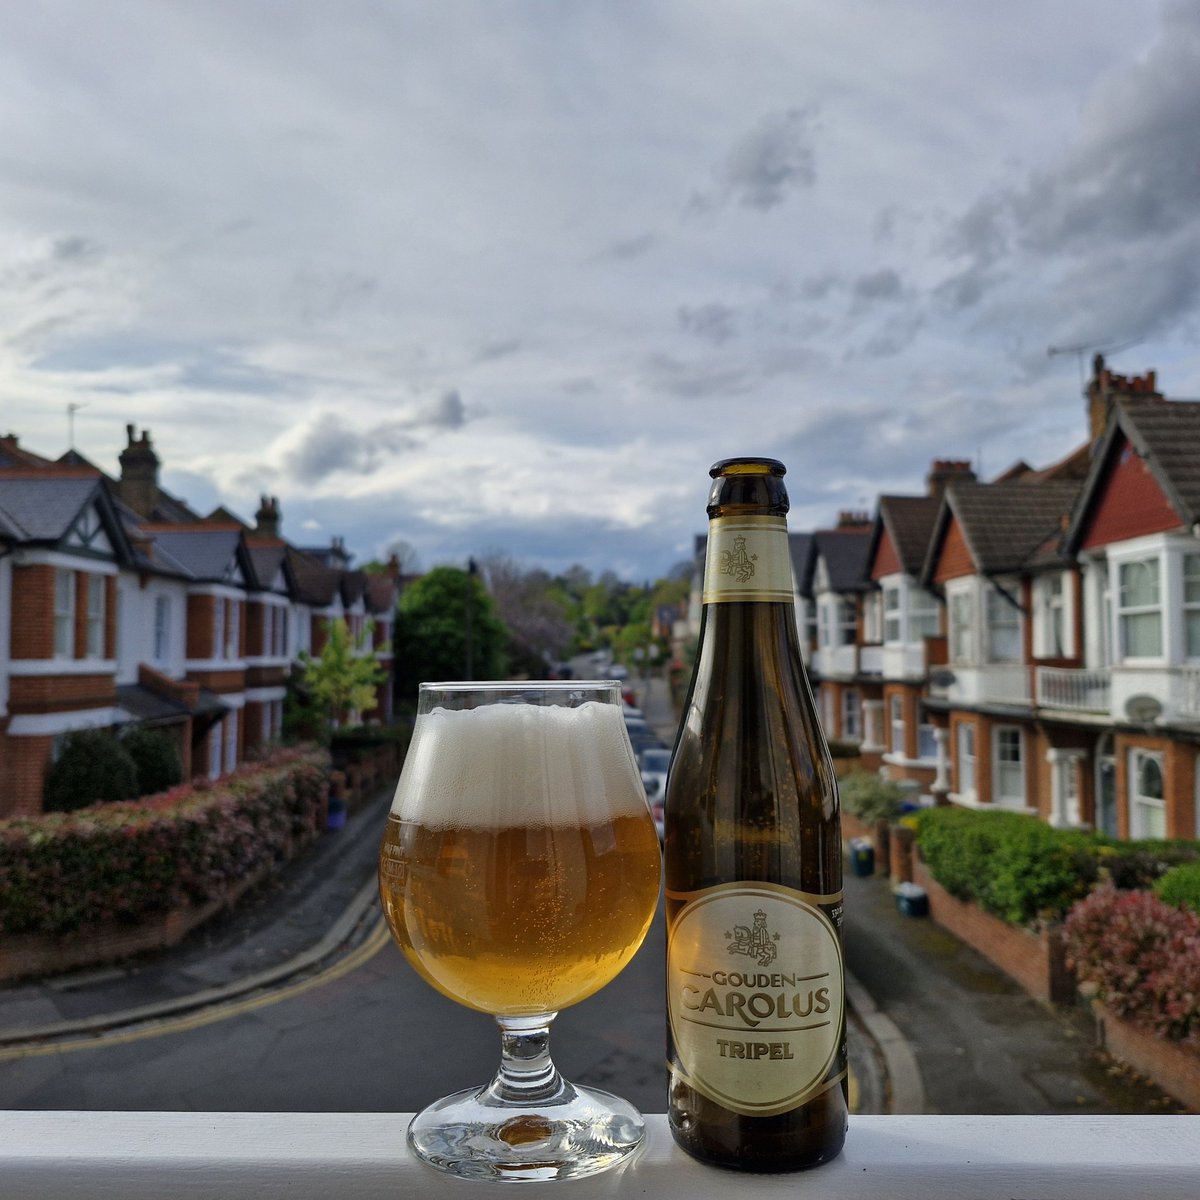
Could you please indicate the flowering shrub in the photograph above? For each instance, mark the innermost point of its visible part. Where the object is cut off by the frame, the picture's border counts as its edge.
(127, 860)
(1141, 956)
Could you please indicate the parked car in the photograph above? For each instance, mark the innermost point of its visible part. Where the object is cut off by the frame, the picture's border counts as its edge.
(653, 763)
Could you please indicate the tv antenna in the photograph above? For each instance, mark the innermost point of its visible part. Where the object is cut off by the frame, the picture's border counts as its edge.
(72, 409)
(1111, 346)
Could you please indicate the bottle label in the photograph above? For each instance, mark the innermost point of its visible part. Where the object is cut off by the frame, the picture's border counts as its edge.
(747, 559)
(756, 995)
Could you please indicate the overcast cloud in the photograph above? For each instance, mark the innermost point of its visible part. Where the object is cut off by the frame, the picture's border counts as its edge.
(507, 277)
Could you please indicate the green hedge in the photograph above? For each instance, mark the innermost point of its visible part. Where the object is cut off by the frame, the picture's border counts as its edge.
(1020, 869)
(129, 860)
(1180, 887)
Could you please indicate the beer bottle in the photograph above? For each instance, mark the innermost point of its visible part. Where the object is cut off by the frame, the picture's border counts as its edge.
(756, 1039)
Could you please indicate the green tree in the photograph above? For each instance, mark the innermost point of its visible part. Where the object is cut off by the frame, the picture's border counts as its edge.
(432, 631)
(342, 679)
(92, 768)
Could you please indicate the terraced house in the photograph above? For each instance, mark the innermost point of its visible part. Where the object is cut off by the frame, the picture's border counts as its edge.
(121, 605)
(1031, 642)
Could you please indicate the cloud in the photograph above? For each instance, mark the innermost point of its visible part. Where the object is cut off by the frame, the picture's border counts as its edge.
(712, 323)
(883, 284)
(328, 445)
(767, 164)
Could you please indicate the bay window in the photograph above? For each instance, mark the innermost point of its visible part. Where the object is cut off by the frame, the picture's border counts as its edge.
(892, 624)
(960, 628)
(847, 623)
(851, 725)
(966, 760)
(1139, 608)
(922, 614)
(64, 614)
(897, 711)
(1191, 605)
(96, 589)
(1004, 627)
(162, 628)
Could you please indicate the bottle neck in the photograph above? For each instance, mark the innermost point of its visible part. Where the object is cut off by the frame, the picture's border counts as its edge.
(747, 560)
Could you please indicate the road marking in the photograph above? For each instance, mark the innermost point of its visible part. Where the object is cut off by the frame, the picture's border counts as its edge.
(374, 942)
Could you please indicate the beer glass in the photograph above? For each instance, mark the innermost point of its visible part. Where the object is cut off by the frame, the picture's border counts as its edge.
(519, 873)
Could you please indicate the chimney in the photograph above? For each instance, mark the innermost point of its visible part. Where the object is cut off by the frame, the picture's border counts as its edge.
(942, 470)
(266, 520)
(1106, 388)
(853, 520)
(138, 485)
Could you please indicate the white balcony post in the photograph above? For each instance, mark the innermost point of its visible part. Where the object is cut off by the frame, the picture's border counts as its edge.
(941, 780)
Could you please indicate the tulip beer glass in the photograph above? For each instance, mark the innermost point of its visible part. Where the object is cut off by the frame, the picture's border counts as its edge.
(519, 873)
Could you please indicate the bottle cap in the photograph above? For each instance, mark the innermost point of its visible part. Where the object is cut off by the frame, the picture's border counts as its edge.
(747, 466)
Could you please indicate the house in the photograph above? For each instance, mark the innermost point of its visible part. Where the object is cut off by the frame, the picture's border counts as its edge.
(120, 605)
(903, 635)
(1136, 535)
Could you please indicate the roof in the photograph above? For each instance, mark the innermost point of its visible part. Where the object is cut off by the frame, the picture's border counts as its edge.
(801, 548)
(845, 553)
(315, 584)
(268, 559)
(42, 506)
(381, 592)
(1008, 526)
(1166, 435)
(909, 521)
(149, 707)
(202, 551)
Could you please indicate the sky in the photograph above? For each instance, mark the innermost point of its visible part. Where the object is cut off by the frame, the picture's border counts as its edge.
(507, 276)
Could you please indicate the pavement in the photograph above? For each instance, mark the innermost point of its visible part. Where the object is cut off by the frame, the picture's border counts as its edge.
(933, 1027)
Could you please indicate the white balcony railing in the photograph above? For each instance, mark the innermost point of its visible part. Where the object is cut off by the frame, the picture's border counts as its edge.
(1074, 690)
(362, 1156)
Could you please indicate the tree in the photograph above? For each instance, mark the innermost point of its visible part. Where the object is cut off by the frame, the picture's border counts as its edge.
(431, 631)
(92, 768)
(342, 680)
(532, 608)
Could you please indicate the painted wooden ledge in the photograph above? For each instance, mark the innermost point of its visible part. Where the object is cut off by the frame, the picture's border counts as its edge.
(361, 1156)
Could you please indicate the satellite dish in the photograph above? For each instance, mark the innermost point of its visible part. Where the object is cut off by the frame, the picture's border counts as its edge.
(1143, 709)
(942, 677)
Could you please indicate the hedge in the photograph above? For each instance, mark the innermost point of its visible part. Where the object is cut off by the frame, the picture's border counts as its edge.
(870, 798)
(1022, 870)
(1180, 887)
(1142, 958)
(62, 871)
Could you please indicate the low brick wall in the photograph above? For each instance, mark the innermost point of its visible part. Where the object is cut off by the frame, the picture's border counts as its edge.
(1035, 961)
(1174, 1067)
(852, 827)
(28, 955)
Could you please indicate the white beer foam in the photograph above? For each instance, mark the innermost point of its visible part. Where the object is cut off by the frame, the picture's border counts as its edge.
(518, 765)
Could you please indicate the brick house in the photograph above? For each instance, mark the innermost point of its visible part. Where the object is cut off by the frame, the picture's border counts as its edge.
(120, 605)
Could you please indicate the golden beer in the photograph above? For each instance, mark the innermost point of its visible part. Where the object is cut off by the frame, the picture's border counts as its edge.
(523, 920)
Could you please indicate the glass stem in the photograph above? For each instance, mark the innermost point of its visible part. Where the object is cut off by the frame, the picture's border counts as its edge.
(527, 1075)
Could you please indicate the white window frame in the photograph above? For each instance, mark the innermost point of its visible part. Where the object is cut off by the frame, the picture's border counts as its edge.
(1126, 612)
(1146, 810)
(1191, 608)
(1053, 626)
(924, 620)
(926, 741)
(899, 727)
(893, 614)
(1007, 768)
(64, 613)
(847, 621)
(215, 756)
(230, 738)
(852, 714)
(96, 606)
(218, 627)
(967, 758)
(233, 630)
(960, 604)
(872, 621)
(162, 629)
(998, 605)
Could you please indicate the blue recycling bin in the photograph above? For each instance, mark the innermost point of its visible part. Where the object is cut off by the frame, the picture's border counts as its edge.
(862, 857)
(912, 900)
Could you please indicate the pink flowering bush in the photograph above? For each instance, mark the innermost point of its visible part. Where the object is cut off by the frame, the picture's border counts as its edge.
(128, 860)
(1141, 956)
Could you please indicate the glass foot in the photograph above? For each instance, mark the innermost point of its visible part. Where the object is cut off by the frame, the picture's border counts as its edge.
(477, 1135)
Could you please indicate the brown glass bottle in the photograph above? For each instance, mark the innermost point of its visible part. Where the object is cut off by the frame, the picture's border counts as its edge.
(756, 1040)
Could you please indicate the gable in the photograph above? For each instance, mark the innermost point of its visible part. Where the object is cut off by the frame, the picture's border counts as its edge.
(87, 533)
(887, 561)
(954, 560)
(1130, 503)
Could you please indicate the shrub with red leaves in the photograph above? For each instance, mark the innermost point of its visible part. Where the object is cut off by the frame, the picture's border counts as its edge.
(63, 871)
(1143, 958)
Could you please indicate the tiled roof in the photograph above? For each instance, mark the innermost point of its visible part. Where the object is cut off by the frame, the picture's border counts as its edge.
(845, 553)
(1009, 525)
(800, 547)
(41, 506)
(203, 552)
(317, 585)
(267, 559)
(909, 521)
(1168, 435)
